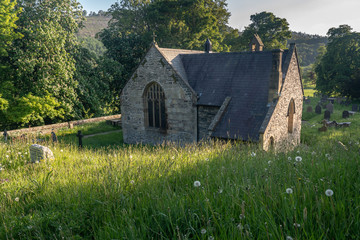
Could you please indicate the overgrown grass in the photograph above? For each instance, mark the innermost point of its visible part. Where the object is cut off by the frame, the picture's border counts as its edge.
(141, 192)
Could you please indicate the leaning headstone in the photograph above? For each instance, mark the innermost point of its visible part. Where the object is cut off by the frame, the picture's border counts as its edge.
(309, 109)
(330, 107)
(354, 108)
(345, 114)
(327, 114)
(318, 109)
(38, 153)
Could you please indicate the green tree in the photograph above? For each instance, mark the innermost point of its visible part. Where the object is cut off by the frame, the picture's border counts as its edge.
(42, 60)
(177, 24)
(8, 17)
(273, 31)
(338, 71)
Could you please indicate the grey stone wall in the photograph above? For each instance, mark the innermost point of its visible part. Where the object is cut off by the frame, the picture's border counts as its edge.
(278, 123)
(206, 115)
(180, 104)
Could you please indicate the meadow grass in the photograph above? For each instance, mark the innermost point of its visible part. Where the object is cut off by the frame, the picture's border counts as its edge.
(151, 192)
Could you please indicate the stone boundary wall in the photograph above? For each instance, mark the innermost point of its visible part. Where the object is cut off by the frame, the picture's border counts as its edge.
(48, 128)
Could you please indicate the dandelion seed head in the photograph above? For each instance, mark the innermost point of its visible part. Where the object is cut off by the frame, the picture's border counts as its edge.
(211, 238)
(242, 216)
(132, 182)
(203, 231)
(298, 159)
(17, 199)
(220, 190)
(7, 156)
(289, 191)
(197, 184)
(297, 225)
(269, 162)
(289, 238)
(61, 150)
(240, 226)
(289, 158)
(253, 154)
(329, 192)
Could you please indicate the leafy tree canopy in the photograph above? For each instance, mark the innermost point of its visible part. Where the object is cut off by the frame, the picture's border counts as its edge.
(273, 31)
(8, 17)
(338, 71)
(177, 24)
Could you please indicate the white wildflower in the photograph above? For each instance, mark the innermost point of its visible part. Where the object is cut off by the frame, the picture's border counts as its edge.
(297, 225)
(289, 238)
(242, 216)
(220, 190)
(211, 238)
(132, 182)
(289, 191)
(7, 156)
(240, 226)
(269, 162)
(61, 150)
(203, 231)
(329, 192)
(19, 153)
(253, 154)
(17, 199)
(298, 159)
(197, 184)
(289, 158)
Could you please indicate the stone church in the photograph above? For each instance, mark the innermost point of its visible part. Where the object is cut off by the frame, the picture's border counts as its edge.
(186, 96)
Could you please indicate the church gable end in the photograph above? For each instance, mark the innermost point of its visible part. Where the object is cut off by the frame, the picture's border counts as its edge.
(283, 126)
(157, 105)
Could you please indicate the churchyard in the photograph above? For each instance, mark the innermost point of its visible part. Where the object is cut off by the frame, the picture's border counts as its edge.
(214, 190)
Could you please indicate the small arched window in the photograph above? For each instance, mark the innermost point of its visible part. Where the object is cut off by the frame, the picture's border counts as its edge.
(155, 115)
(272, 144)
(291, 112)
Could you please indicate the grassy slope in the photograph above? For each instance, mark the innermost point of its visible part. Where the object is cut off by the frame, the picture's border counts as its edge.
(93, 25)
(148, 192)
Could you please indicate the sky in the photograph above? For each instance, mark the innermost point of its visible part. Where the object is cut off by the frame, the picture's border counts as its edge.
(308, 16)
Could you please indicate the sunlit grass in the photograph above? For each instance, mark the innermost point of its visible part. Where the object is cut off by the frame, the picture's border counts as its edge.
(148, 192)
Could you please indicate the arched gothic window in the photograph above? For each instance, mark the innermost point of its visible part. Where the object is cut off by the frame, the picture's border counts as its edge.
(155, 115)
(291, 112)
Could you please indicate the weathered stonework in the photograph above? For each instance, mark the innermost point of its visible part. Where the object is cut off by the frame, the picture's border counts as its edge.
(206, 115)
(277, 127)
(180, 103)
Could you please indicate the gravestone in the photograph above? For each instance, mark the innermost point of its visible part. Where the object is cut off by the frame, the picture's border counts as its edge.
(330, 107)
(327, 114)
(354, 108)
(345, 114)
(318, 109)
(53, 136)
(38, 153)
(309, 109)
(80, 136)
(5, 135)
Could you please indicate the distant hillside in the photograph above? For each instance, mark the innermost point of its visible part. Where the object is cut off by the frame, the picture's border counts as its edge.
(93, 25)
(307, 46)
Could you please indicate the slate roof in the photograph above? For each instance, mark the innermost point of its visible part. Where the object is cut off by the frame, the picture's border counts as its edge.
(242, 76)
